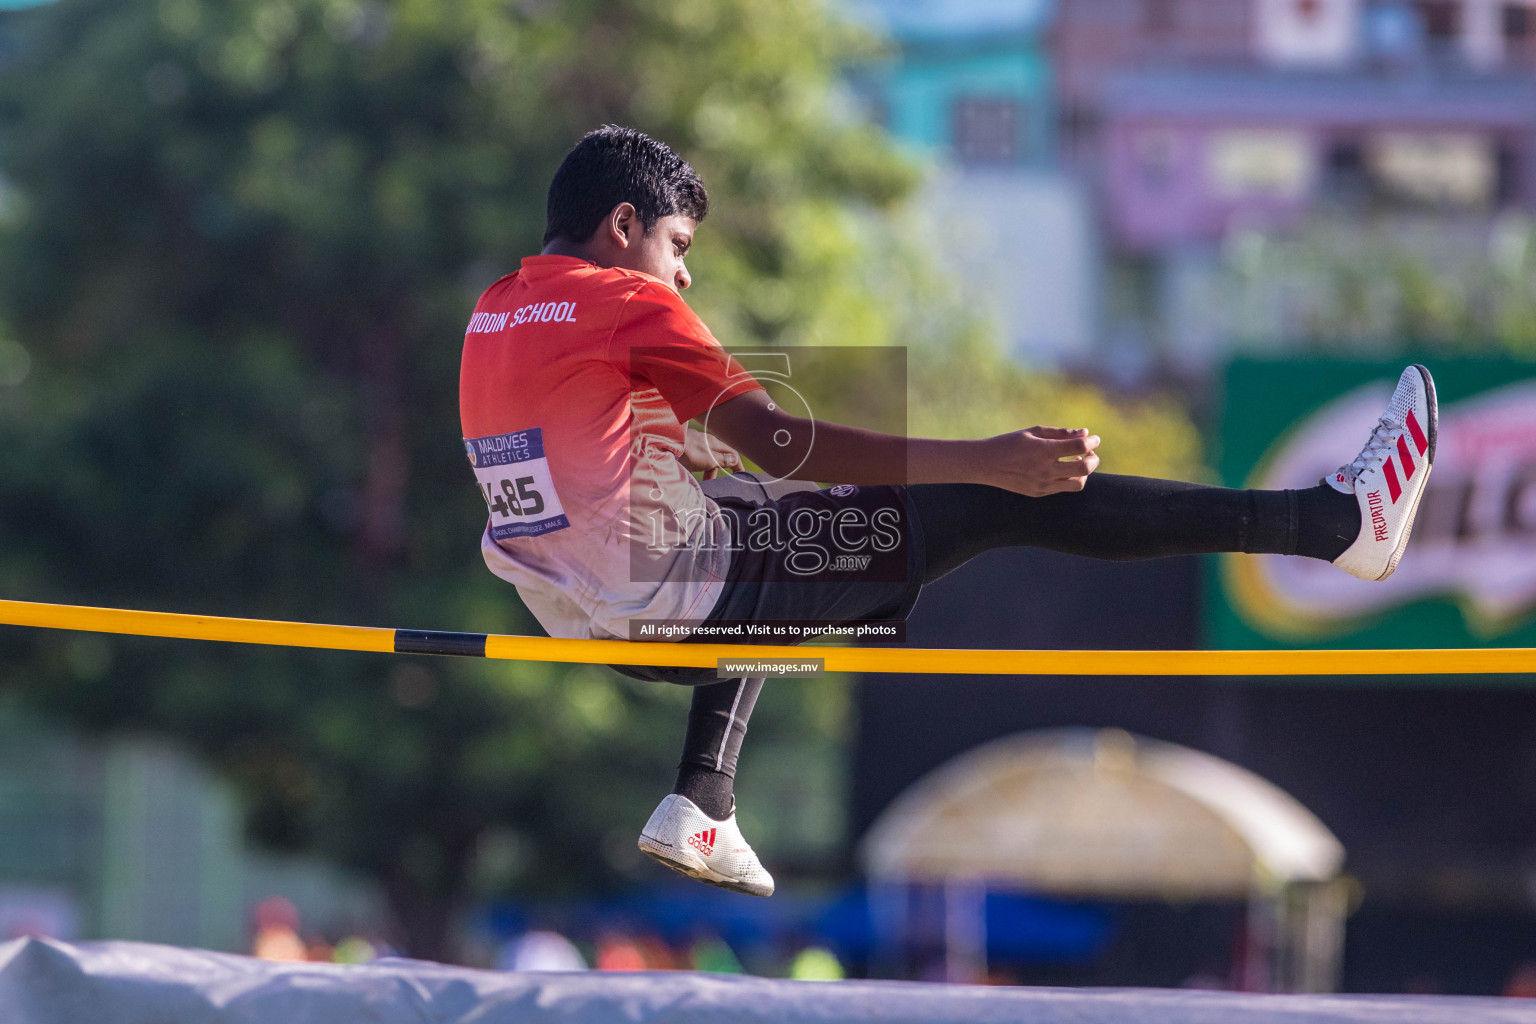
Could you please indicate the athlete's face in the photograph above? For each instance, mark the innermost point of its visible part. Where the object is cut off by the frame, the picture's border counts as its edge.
(659, 252)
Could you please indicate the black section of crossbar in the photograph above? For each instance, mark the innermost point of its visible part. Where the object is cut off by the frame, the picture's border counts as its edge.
(426, 641)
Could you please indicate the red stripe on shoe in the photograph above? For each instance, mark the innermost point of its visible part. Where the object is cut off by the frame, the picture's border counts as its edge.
(1406, 456)
(1393, 487)
(1419, 440)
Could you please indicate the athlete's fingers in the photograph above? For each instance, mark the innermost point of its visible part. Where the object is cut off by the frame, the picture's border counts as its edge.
(1033, 464)
(1057, 433)
(1081, 471)
(724, 454)
(1073, 447)
(1077, 467)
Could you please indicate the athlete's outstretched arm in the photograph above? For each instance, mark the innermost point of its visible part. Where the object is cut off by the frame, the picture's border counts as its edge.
(1025, 461)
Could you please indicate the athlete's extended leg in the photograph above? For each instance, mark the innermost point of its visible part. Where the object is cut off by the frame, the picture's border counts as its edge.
(1132, 517)
(1124, 517)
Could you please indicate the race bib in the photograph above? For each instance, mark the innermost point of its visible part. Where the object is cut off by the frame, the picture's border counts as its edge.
(514, 478)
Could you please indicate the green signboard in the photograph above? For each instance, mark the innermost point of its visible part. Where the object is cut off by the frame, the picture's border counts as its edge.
(1468, 578)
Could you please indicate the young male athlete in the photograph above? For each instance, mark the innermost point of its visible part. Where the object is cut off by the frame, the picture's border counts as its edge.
(582, 371)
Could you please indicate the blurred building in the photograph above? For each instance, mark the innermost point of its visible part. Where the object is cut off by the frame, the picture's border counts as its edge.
(969, 87)
(1191, 156)
(1197, 121)
(1101, 155)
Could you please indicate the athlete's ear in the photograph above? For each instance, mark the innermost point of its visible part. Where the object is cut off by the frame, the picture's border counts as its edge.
(624, 225)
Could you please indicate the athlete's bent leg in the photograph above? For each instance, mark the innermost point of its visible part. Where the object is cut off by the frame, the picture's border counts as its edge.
(717, 720)
(717, 724)
(693, 829)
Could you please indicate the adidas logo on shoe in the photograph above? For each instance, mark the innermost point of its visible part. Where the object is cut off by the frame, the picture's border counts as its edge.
(704, 841)
(1405, 457)
(686, 839)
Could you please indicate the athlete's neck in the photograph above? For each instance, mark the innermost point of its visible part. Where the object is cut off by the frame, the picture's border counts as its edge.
(580, 250)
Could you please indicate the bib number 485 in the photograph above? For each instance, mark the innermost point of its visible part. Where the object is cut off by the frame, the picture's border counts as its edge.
(517, 498)
(516, 483)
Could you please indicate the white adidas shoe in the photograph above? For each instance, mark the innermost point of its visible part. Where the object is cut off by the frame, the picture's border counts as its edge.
(686, 839)
(1388, 477)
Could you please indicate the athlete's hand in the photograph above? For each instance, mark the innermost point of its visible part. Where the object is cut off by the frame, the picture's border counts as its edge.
(1043, 460)
(707, 454)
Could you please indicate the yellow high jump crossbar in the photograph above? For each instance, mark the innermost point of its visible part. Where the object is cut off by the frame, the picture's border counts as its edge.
(1473, 661)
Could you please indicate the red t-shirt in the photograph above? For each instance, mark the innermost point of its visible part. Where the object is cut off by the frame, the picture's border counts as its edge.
(575, 386)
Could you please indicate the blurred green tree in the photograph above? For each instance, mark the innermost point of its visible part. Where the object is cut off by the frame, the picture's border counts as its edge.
(238, 242)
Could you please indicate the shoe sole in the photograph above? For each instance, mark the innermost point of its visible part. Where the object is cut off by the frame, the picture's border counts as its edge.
(658, 852)
(1432, 404)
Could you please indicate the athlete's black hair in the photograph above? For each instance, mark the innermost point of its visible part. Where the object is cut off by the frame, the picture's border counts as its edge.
(614, 165)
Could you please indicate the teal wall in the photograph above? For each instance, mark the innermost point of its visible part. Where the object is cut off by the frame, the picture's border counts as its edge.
(920, 88)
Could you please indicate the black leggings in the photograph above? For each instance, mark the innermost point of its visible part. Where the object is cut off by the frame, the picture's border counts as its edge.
(1114, 517)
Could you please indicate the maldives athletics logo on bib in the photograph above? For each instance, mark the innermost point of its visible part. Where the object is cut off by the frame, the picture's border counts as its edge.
(1473, 542)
